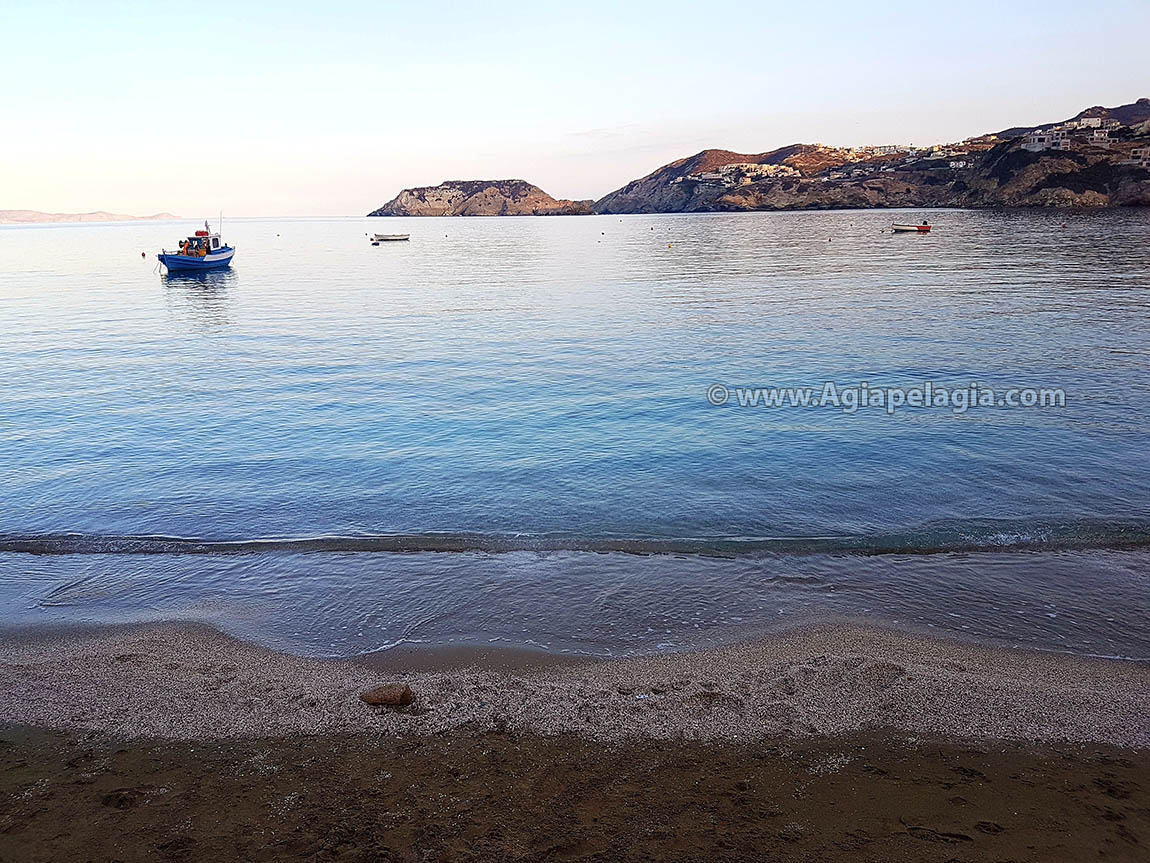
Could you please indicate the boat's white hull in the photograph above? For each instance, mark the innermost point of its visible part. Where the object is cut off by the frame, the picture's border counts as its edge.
(389, 238)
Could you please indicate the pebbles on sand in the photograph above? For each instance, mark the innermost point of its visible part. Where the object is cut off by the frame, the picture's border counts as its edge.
(186, 681)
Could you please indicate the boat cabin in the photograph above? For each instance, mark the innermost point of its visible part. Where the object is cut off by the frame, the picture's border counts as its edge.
(200, 244)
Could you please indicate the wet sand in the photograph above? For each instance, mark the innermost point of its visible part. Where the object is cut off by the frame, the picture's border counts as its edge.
(833, 742)
(498, 796)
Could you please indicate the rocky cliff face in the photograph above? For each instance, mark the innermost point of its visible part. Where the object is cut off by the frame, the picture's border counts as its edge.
(480, 198)
(1010, 177)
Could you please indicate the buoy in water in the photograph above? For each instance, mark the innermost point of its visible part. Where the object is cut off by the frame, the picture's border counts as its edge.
(143, 254)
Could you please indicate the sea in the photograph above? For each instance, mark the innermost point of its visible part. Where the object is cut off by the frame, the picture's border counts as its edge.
(599, 435)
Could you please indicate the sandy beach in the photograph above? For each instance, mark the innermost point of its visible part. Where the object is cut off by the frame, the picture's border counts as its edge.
(174, 741)
(191, 682)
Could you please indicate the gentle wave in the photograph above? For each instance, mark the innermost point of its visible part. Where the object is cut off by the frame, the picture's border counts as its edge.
(968, 536)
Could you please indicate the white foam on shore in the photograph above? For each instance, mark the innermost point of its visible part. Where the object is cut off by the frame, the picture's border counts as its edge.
(188, 681)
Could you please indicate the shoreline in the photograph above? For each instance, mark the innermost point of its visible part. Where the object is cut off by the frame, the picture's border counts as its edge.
(190, 681)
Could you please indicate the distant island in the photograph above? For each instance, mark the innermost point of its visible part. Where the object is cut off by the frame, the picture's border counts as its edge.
(1098, 158)
(480, 198)
(32, 217)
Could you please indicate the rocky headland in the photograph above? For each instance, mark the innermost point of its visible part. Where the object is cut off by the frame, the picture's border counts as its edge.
(480, 198)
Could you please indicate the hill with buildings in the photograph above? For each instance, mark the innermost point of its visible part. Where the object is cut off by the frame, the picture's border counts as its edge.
(1100, 157)
(1125, 115)
(480, 198)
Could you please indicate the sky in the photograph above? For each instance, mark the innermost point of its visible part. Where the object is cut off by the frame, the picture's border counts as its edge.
(286, 108)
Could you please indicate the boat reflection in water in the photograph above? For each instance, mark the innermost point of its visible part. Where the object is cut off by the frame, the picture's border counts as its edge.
(203, 296)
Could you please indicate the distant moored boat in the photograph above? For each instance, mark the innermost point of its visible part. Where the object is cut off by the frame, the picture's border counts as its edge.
(902, 229)
(389, 238)
(200, 252)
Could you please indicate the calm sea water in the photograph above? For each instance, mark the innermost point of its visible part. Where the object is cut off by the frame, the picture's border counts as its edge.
(500, 431)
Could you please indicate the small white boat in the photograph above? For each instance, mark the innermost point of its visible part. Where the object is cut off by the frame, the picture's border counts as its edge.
(903, 229)
(389, 238)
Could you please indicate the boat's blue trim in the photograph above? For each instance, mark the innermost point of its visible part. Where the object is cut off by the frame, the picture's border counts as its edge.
(185, 263)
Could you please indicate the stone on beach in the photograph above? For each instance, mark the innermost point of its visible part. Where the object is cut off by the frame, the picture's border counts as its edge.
(390, 694)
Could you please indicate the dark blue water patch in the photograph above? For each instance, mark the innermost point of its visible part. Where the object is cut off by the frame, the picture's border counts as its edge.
(968, 536)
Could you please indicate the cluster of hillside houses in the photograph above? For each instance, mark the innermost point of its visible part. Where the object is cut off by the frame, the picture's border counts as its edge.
(740, 173)
(1085, 130)
(860, 162)
(1094, 130)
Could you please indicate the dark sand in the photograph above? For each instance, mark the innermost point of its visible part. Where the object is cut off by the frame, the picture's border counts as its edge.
(174, 742)
(497, 797)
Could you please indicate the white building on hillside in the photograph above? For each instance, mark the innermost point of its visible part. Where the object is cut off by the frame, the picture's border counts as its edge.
(1045, 139)
(1081, 123)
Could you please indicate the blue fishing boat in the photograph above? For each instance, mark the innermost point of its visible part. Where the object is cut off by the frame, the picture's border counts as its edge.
(199, 253)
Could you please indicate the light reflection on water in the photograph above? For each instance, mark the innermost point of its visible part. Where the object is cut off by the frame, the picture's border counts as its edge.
(201, 297)
(501, 377)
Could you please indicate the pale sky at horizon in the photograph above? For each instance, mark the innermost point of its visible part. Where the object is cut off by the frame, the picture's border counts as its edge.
(287, 108)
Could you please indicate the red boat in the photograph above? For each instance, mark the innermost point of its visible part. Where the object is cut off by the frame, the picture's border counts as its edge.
(902, 229)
